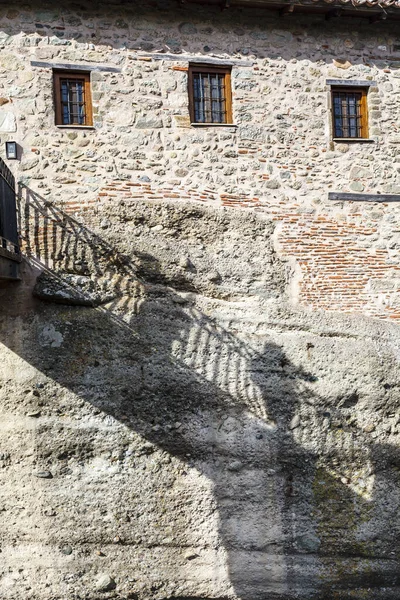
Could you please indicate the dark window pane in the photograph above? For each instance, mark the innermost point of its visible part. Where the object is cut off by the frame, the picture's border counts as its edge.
(209, 98)
(65, 115)
(347, 114)
(64, 91)
(73, 102)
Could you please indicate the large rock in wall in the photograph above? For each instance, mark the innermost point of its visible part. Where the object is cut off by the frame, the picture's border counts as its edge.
(191, 434)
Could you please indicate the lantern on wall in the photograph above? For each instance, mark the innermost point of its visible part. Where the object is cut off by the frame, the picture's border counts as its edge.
(11, 150)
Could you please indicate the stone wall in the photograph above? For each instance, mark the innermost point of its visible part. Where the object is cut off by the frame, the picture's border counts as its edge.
(181, 416)
(278, 158)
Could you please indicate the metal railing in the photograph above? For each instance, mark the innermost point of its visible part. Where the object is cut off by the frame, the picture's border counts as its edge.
(9, 242)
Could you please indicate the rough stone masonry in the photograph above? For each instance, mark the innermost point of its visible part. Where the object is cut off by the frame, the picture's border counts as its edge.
(200, 365)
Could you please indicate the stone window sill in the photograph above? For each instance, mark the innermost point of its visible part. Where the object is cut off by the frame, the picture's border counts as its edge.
(75, 127)
(354, 140)
(213, 125)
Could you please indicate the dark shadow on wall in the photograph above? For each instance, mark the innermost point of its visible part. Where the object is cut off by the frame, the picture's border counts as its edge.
(233, 406)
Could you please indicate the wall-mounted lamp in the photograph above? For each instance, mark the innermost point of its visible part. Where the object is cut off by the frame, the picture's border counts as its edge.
(11, 150)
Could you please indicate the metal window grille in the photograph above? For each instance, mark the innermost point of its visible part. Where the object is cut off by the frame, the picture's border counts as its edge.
(73, 102)
(209, 98)
(348, 114)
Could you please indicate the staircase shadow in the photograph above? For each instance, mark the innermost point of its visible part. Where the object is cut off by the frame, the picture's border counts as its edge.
(232, 406)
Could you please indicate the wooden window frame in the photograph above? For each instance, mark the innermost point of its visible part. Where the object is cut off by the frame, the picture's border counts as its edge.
(211, 69)
(364, 110)
(85, 77)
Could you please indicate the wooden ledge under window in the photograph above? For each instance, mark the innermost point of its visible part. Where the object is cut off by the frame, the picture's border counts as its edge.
(354, 140)
(85, 127)
(213, 124)
(349, 197)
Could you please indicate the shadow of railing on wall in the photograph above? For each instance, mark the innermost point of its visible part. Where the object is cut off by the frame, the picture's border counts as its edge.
(289, 523)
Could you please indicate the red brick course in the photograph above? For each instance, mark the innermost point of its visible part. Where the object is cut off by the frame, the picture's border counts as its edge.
(334, 246)
(340, 269)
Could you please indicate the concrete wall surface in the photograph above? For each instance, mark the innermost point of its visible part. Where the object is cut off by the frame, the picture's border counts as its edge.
(199, 369)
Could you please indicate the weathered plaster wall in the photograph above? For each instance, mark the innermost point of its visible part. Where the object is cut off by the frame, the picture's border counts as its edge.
(194, 435)
(173, 424)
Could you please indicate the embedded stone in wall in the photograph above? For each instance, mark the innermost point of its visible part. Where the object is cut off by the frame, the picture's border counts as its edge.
(358, 172)
(341, 64)
(149, 123)
(8, 123)
(73, 290)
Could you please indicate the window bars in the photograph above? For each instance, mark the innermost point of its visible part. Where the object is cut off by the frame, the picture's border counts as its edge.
(210, 95)
(349, 113)
(73, 102)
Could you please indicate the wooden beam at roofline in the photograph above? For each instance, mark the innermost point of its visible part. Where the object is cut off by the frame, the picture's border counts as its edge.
(334, 14)
(286, 10)
(320, 8)
(380, 17)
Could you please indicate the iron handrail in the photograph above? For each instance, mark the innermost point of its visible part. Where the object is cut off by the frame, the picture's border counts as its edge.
(6, 174)
(9, 240)
(10, 250)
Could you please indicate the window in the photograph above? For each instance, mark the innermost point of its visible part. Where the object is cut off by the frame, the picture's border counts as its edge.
(73, 101)
(210, 98)
(350, 113)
